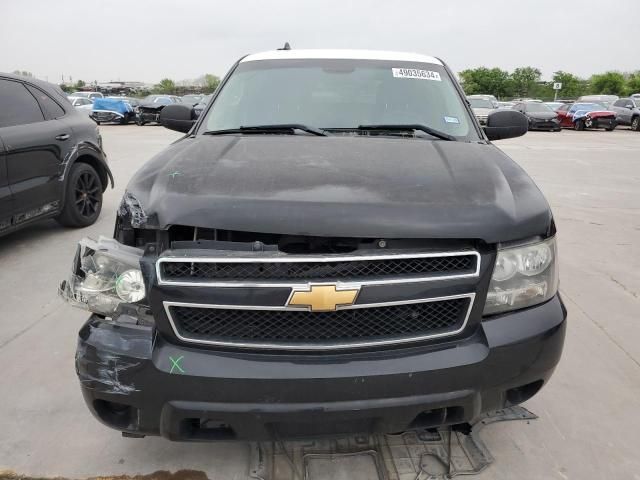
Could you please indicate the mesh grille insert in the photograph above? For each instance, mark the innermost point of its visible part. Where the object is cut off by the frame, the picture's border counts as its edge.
(338, 270)
(342, 326)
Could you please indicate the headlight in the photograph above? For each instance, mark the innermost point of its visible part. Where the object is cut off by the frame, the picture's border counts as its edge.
(105, 275)
(523, 276)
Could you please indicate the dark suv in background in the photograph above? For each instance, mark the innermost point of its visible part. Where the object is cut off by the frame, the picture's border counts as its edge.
(51, 158)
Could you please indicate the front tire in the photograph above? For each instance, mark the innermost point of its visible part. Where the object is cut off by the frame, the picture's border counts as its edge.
(83, 197)
(611, 128)
(579, 125)
(635, 124)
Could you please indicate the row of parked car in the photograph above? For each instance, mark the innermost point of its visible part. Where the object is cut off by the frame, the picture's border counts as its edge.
(587, 112)
(123, 110)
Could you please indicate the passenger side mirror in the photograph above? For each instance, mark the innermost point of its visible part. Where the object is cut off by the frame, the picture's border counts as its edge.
(178, 116)
(503, 124)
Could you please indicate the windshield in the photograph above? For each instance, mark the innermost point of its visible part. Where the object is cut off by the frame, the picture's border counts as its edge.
(339, 94)
(480, 103)
(536, 107)
(79, 94)
(191, 98)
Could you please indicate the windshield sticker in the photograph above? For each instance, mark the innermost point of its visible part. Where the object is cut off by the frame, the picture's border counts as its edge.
(414, 73)
(451, 120)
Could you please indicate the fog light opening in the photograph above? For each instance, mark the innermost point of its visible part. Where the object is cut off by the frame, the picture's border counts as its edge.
(522, 394)
(115, 414)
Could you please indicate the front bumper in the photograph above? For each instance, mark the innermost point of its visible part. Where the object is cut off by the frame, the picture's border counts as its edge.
(135, 381)
(105, 116)
(543, 124)
(609, 123)
(148, 116)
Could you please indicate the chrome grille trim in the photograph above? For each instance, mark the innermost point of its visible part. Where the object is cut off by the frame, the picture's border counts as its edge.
(316, 347)
(268, 257)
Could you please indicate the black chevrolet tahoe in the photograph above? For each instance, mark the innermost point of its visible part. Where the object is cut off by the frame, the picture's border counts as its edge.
(334, 247)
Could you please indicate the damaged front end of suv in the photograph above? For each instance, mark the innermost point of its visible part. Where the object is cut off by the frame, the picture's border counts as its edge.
(331, 277)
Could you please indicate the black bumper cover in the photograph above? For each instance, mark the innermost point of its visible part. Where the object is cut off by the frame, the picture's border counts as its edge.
(135, 381)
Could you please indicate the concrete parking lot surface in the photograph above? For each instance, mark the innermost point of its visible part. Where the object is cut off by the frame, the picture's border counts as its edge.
(589, 413)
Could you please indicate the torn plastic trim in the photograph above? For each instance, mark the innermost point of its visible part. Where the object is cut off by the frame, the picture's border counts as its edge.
(96, 280)
(132, 207)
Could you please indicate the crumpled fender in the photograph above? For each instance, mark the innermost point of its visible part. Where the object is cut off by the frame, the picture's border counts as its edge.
(578, 114)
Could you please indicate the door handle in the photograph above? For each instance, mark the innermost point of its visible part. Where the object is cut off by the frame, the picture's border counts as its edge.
(63, 136)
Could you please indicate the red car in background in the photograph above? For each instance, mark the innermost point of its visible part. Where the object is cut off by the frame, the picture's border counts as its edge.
(586, 115)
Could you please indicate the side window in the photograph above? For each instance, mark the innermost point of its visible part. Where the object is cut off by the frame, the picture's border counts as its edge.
(619, 103)
(19, 107)
(50, 108)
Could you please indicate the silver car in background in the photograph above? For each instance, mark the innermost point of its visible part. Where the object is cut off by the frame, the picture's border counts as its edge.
(481, 108)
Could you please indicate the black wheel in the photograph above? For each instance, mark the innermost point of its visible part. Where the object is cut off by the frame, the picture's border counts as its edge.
(83, 197)
(124, 120)
(578, 125)
(612, 127)
(635, 124)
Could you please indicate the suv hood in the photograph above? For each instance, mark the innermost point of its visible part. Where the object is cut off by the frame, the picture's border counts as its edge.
(376, 187)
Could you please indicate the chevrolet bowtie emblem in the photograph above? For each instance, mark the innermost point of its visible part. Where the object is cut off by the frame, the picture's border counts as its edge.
(322, 298)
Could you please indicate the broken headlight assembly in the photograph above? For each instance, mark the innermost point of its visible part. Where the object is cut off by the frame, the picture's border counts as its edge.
(523, 276)
(105, 278)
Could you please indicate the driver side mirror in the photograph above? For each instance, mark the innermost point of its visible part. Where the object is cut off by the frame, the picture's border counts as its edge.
(178, 116)
(503, 124)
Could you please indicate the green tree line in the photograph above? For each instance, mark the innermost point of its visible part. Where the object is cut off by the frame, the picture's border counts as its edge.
(168, 86)
(525, 82)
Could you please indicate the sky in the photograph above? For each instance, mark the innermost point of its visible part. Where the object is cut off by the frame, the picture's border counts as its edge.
(147, 40)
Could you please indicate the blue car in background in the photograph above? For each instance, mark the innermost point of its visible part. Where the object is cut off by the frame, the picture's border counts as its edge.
(107, 110)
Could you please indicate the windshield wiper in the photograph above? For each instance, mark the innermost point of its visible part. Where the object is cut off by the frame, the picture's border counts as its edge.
(409, 126)
(289, 128)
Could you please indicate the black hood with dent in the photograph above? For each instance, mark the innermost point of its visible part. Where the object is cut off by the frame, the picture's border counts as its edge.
(375, 187)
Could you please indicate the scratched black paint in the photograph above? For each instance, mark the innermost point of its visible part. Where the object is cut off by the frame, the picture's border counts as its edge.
(342, 187)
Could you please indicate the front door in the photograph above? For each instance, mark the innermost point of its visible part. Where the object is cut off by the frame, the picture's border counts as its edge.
(563, 115)
(35, 149)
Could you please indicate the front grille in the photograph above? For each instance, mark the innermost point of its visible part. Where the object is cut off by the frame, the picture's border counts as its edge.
(343, 270)
(347, 327)
(103, 116)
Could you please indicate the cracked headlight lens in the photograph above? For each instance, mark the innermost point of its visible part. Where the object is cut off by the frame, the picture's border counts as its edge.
(523, 276)
(105, 275)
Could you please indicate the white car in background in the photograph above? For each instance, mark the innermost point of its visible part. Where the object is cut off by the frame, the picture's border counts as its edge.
(90, 95)
(82, 103)
(481, 107)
